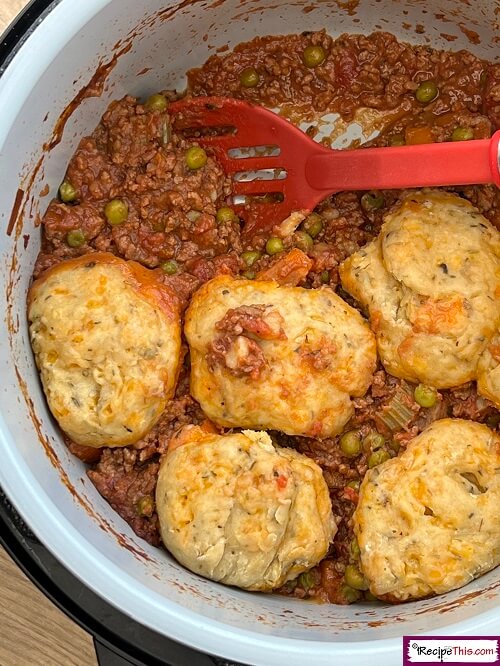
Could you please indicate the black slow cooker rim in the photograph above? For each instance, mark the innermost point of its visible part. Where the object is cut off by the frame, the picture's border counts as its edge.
(36, 563)
(20, 28)
(124, 637)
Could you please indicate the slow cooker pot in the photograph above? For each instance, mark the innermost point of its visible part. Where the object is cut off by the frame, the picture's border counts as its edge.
(56, 82)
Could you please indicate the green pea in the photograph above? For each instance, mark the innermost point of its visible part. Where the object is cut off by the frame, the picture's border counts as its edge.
(394, 445)
(354, 578)
(196, 158)
(226, 215)
(377, 458)
(462, 134)
(397, 140)
(274, 246)
(350, 443)
(350, 594)
(116, 211)
(354, 549)
(67, 192)
(250, 257)
(170, 267)
(313, 56)
(249, 275)
(307, 580)
(325, 277)
(145, 506)
(75, 238)
(425, 396)
(354, 484)
(249, 77)
(371, 201)
(373, 441)
(303, 241)
(369, 596)
(313, 225)
(156, 102)
(426, 92)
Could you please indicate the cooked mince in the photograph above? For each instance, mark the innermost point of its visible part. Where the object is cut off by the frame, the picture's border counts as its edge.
(172, 227)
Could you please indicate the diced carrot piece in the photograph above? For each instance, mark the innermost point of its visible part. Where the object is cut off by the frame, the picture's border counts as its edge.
(416, 135)
(288, 270)
(351, 495)
(282, 482)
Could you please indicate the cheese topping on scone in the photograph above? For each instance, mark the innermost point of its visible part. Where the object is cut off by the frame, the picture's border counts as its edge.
(283, 358)
(431, 284)
(106, 335)
(239, 510)
(427, 522)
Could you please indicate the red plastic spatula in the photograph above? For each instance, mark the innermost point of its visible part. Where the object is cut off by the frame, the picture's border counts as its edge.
(296, 173)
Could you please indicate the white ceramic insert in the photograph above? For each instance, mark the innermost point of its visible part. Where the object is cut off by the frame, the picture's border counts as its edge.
(47, 484)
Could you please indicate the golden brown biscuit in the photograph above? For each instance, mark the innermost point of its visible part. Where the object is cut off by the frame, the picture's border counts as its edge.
(488, 371)
(427, 522)
(284, 358)
(431, 285)
(107, 338)
(238, 510)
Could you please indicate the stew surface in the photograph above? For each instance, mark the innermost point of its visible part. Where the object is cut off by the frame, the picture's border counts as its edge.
(177, 223)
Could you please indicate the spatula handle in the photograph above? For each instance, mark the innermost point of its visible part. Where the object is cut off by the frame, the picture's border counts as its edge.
(450, 163)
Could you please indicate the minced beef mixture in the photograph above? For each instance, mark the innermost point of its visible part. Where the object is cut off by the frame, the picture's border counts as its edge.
(174, 225)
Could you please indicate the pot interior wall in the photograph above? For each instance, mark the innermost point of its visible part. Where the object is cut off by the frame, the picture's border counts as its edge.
(46, 483)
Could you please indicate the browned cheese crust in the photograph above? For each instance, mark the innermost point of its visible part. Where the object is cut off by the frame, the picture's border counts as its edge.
(427, 521)
(283, 358)
(239, 510)
(431, 284)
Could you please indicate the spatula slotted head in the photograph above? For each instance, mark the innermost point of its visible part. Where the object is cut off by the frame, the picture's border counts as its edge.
(261, 152)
